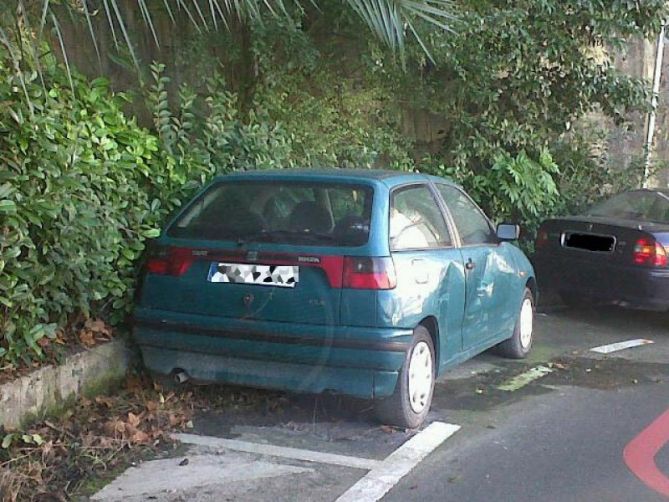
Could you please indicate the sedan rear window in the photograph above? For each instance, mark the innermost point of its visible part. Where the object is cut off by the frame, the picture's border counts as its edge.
(639, 205)
(304, 213)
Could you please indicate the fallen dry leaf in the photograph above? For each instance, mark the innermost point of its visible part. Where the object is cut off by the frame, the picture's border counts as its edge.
(140, 437)
(86, 338)
(104, 400)
(133, 419)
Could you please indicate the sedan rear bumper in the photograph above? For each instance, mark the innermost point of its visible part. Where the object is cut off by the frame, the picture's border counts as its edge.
(362, 362)
(628, 286)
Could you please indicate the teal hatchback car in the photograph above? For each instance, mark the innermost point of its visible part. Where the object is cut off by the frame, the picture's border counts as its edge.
(362, 282)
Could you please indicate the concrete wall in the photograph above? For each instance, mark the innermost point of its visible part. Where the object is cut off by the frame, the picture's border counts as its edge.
(626, 144)
(49, 388)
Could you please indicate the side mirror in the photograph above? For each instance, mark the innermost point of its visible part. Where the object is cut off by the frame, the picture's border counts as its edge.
(508, 232)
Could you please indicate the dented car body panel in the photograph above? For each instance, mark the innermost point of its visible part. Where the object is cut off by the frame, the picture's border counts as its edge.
(329, 307)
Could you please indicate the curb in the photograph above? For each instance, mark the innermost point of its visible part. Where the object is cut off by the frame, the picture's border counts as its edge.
(49, 389)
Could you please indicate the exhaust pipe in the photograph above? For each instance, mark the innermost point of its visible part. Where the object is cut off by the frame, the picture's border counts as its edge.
(181, 377)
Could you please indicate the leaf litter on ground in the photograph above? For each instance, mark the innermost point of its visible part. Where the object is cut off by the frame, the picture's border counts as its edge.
(54, 459)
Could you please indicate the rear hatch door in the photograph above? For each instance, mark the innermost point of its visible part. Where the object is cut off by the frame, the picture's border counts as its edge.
(270, 251)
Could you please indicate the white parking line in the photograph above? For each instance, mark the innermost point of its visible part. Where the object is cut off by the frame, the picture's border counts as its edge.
(279, 451)
(613, 347)
(398, 464)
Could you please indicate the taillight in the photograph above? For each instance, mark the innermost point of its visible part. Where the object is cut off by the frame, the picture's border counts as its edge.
(170, 261)
(542, 239)
(649, 252)
(369, 273)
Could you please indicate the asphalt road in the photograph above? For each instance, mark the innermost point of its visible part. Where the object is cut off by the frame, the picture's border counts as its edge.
(561, 437)
(558, 437)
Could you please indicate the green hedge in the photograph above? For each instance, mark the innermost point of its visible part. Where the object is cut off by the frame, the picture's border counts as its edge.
(75, 209)
(82, 187)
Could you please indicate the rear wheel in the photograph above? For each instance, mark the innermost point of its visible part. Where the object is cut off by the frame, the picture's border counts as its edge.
(519, 345)
(410, 403)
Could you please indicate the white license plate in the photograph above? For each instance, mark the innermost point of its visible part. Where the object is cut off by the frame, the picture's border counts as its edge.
(283, 276)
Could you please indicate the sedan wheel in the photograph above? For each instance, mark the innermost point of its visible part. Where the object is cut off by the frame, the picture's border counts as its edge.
(410, 403)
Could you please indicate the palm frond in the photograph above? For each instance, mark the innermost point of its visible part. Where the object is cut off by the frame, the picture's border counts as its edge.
(146, 15)
(182, 5)
(16, 58)
(124, 31)
(168, 9)
(59, 35)
(32, 43)
(110, 20)
(390, 19)
(199, 13)
(91, 31)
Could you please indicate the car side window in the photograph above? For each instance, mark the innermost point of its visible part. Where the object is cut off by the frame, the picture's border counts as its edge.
(416, 222)
(471, 223)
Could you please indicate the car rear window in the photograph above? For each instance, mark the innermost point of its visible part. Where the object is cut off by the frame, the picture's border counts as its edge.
(641, 206)
(286, 212)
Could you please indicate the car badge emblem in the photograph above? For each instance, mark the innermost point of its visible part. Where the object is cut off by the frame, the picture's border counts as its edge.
(248, 300)
(589, 227)
(252, 256)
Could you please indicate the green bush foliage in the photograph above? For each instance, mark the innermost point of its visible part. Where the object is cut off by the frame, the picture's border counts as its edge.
(74, 202)
(516, 189)
(82, 187)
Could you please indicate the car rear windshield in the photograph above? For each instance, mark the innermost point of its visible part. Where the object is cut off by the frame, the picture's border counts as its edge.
(640, 205)
(302, 213)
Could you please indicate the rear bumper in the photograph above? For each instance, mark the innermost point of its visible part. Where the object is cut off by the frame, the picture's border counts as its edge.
(628, 286)
(362, 362)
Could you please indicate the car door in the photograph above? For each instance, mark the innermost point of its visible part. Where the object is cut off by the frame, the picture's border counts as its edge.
(430, 274)
(490, 309)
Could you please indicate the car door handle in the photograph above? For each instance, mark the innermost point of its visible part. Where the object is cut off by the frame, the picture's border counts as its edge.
(470, 264)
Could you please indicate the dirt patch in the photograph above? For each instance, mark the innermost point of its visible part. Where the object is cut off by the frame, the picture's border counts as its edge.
(75, 453)
(482, 392)
(605, 373)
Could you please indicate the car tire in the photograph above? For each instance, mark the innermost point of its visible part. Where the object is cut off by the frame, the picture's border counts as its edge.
(520, 344)
(410, 402)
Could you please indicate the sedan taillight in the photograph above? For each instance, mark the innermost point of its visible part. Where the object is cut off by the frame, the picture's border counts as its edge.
(170, 261)
(649, 252)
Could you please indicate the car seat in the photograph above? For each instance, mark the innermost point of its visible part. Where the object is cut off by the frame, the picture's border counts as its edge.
(309, 216)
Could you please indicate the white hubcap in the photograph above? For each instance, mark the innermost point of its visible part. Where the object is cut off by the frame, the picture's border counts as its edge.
(526, 321)
(420, 376)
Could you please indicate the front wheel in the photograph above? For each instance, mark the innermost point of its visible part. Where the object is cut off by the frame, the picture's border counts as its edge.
(410, 403)
(519, 345)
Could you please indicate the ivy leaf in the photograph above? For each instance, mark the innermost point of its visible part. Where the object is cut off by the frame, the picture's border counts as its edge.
(151, 233)
(7, 441)
(7, 206)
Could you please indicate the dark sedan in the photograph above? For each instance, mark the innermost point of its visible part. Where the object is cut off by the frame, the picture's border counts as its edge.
(614, 253)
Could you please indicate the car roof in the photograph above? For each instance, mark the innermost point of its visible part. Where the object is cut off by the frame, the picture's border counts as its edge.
(388, 177)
